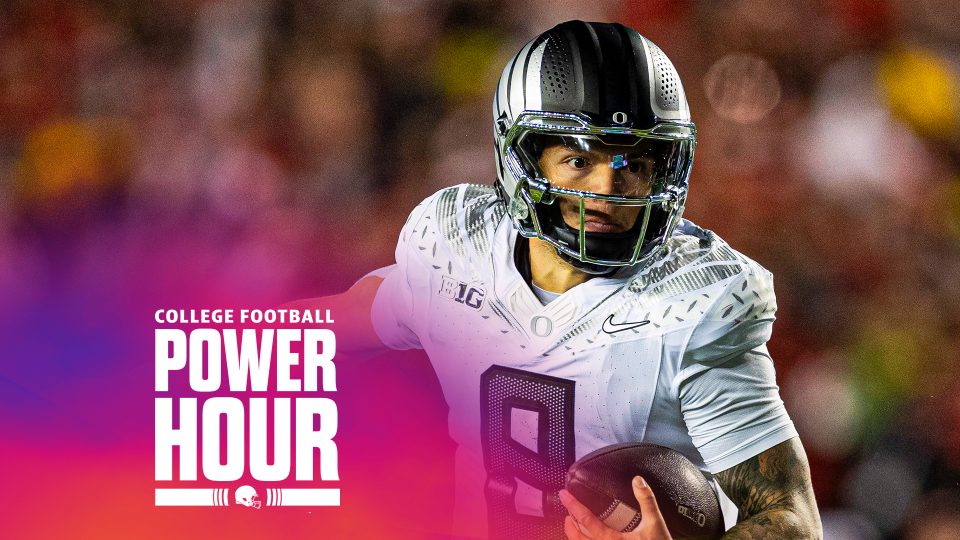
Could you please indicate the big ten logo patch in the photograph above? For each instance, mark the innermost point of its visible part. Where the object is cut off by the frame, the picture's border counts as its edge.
(461, 292)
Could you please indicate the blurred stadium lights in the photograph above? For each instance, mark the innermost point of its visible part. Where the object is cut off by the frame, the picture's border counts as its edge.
(261, 151)
(848, 525)
(742, 88)
(825, 405)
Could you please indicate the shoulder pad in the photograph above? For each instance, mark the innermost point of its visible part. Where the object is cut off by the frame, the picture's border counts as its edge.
(692, 259)
(452, 231)
(740, 317)
(749, 296)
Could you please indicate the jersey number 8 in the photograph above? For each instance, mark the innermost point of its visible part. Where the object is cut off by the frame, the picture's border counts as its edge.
(527, 433)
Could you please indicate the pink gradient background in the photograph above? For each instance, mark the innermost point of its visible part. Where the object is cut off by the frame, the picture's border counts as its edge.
(184, 154)
(77, 419)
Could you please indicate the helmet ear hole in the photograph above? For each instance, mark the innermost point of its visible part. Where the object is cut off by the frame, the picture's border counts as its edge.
(501, 125)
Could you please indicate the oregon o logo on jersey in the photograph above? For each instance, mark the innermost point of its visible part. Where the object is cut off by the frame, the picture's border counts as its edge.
(541, 326)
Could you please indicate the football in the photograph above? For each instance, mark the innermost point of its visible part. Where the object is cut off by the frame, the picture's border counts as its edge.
(601, 480)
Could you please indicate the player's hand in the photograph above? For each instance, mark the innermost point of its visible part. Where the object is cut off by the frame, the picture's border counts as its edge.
(581, 524)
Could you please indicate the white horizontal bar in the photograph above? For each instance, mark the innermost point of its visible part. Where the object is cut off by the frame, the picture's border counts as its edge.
(309, 497)
(186, 497)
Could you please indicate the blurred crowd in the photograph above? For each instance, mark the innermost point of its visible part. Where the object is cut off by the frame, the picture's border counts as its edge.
(261, 151)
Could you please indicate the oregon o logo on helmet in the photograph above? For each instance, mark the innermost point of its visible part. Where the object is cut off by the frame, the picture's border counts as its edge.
(620, 117)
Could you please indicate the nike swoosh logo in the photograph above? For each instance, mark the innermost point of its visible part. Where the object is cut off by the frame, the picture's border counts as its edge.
(611, 327)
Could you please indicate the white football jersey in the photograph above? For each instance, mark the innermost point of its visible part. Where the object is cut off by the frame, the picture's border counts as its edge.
(669, 351)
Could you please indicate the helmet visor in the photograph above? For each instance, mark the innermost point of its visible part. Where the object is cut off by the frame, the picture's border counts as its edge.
(601, 197)
(617, 165)
(599, 182)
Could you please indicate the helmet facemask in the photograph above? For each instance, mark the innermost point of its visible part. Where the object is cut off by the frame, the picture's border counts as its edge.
(602, 196)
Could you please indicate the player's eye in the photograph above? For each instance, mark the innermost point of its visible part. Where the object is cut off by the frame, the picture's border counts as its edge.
(639, 166)
(578, 163)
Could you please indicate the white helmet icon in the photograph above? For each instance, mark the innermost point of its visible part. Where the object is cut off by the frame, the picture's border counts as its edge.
(247, 496)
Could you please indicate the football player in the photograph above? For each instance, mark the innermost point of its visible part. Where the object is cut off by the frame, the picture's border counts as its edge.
(569, 306)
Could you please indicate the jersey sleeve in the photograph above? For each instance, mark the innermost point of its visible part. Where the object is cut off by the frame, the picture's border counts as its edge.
(733, 409)
(726, 383)
(394, 307)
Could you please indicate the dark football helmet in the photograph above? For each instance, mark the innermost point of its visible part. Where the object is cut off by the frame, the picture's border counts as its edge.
(595, 89)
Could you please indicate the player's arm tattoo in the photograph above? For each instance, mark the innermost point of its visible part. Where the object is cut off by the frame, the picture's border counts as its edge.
(774, 495)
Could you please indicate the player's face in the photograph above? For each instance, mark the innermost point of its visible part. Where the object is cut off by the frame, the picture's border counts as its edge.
(592, 166)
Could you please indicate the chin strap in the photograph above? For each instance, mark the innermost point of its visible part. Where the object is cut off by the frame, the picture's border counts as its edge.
(521, 259)
(610, 246)
(590, 268)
